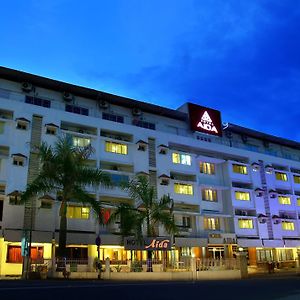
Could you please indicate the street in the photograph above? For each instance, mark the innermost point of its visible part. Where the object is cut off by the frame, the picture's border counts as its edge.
(287, 288)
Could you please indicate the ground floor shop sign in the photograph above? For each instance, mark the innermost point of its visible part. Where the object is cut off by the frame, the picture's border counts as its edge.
(148, 244)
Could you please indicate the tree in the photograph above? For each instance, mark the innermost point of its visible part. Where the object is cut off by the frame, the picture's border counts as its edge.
(147, 212)
(63, 171)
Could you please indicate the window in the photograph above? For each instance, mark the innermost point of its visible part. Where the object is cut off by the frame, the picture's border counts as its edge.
(288, 225)
(78, 212)
(241, 169)
(211, 223)
(209, 195)
(186, 222)
(81, 142)
(77, 253)
(14, 254)
(46, 204)
(51, 129)
(144, 124)
(77, 110)
(207, 168)
(180, 188)
(22, 124)
(281, 176)
(298, 201)
(183, 159)
(2, 124)
(297, 179)
(118, 180)
(112, 117)
(38, 101)
(14, 200)
(116, 148)
(245, 223)
(18, 161)
(284, 200)
(243, 196)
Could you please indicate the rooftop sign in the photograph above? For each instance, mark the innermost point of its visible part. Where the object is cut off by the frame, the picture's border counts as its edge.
(205, 120)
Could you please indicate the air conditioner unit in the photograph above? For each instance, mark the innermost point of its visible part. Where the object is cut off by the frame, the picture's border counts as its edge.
(103, 104)
(27, 87)
(68, 97)
(136, 111)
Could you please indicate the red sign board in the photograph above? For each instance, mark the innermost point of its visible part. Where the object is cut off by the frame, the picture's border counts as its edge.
(205, 120)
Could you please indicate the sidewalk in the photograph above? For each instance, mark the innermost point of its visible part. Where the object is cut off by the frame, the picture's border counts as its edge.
(277, 272)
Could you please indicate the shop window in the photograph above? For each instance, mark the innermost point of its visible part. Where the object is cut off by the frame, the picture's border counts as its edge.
(211, 223)
(243, 196)
(116, 148)
(209, 195)
(80, 141)
(284, 200)
(281, 176)
(14, 254)
(240, 169)
(80, 254)
(207, 168)
(288, 225)
(183, 159)
(245, 223)
(296, 179)
(180, 188)
(78, 212)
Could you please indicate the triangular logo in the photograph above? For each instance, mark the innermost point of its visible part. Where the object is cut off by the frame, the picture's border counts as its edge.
(206, 123)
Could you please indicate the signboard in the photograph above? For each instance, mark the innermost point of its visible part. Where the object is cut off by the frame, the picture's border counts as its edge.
(205, 120)
(25, 244)
(148, 244)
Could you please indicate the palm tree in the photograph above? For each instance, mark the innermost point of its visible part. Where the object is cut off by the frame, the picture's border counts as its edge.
(147, 211)
(63, 171)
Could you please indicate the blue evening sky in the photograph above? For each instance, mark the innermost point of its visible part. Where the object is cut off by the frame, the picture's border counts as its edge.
(240, 57)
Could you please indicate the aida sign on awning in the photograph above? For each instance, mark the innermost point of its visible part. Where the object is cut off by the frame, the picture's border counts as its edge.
(148, 244)
(205, 119)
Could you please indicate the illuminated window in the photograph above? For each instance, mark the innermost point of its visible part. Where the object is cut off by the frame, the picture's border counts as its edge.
(245, 223)
(211, 223)
(183, 159)
(207, 168)
(298, 201)
(243, 196)
(281, 176)
(81, 142)
(241, 169)
(116, 148)
(284, 200)
(297, 179)
(14, 254)
(78, 212)
(288, 225)
(209, 195)
(180, 188)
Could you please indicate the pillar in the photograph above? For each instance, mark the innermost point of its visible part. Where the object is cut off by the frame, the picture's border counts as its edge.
(243, 264)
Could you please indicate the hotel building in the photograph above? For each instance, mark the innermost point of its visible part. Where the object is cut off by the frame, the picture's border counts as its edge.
(233, 187)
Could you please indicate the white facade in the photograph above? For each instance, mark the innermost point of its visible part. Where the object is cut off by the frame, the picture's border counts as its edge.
(219, 208)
